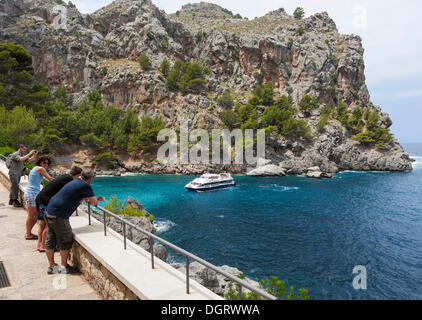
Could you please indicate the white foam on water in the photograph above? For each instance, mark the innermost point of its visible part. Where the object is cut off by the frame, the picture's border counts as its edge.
(418, 163)
(163, 225)
(277, 187)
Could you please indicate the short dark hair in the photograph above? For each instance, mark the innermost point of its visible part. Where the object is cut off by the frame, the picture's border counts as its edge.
(22, 146)
(74, 171)
(42, 159)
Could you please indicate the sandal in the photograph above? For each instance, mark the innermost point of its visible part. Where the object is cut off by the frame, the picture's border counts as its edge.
(32, 237)
(40, 250)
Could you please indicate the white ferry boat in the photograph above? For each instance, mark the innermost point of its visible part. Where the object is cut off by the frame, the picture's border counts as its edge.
(211, 181)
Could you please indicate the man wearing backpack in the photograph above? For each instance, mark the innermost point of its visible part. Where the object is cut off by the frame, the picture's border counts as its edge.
(15, 164)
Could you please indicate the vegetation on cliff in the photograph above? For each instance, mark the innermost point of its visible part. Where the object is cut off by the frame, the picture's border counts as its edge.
(273, 286)
(30, 113)
(185, 76)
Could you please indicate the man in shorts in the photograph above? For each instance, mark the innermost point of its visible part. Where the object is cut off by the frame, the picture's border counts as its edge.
(59, 209)
(50, 190)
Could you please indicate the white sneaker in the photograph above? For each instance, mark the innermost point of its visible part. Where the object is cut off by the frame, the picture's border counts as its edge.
(53, 270)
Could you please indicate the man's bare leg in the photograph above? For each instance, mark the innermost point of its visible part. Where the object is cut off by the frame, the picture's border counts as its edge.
(64, 254)
(50, 257)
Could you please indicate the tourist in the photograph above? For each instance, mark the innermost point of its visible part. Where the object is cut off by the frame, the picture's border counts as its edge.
(36, 176)
(43, 198)
(59, 209)
(16, 170)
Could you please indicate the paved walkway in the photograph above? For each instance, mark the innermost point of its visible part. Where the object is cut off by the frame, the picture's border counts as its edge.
(27, 268)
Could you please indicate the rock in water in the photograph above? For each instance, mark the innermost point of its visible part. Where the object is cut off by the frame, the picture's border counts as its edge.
(133, 203)
(267, 170)
(315, 172)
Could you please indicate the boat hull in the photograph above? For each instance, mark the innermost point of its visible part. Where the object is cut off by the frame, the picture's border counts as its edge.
(210, 187)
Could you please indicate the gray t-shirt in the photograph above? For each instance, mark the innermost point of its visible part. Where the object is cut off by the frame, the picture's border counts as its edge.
(16, 166)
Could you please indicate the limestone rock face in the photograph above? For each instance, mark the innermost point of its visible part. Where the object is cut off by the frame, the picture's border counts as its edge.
(99, 51)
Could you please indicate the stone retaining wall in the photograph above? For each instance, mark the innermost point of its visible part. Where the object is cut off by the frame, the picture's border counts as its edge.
(99, 277)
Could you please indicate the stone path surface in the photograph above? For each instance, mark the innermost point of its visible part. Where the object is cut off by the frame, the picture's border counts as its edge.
(26, 268)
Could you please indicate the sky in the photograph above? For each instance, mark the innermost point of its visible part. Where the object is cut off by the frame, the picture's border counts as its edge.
(392, 39)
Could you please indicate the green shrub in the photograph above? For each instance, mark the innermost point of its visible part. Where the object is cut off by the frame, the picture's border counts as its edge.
(268, 94)
(299, 13)
(150, 36)
(114, 205)
(165, 67)
(199, 35)
(145, 62)
(373, 120)
(5, 151)
(322, 123)
(226, 100)
(378, 137)
(187, 77)
(307, 104)
(230, 119)
(273, 286)
(301, 30)
(343, 115)
(102, 157)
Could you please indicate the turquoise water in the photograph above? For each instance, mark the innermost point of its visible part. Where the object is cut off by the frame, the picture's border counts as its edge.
(309, 233)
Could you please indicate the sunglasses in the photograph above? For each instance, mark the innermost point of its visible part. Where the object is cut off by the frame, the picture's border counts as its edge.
(45, 162)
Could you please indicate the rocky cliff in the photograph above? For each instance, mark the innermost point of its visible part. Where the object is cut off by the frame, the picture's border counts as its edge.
(299, 57)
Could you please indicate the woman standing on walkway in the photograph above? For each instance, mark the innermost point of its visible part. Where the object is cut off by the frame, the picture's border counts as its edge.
(36, 176)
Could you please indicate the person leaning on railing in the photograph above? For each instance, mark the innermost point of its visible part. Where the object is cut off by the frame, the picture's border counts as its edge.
(16, 170)
(49, 191)
(59, 209)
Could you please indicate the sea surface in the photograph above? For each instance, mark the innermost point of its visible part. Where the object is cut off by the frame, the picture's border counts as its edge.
(309, 233)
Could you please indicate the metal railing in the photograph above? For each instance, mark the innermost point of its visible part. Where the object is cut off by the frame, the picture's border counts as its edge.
(241, 283)
(189, 256)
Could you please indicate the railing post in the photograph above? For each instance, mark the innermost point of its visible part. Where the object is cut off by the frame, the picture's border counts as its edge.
(76, 212)
(105, 224)
(89, 214)
(240, 291)
(151, 243)
(124, 234)
(187, 275)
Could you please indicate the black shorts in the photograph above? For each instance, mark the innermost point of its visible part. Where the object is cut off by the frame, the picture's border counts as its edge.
(59, 232)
